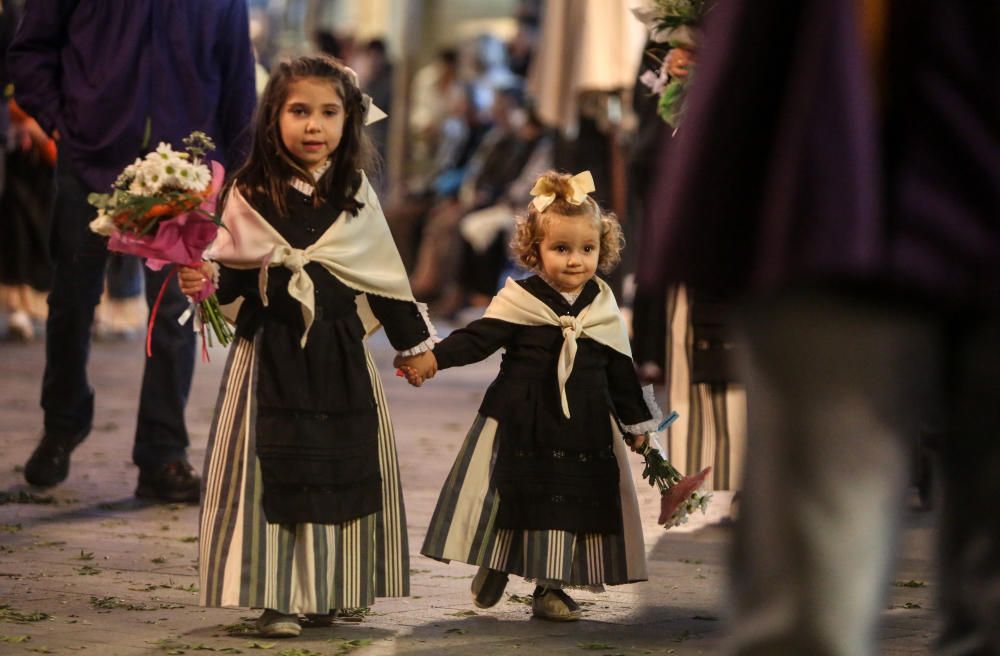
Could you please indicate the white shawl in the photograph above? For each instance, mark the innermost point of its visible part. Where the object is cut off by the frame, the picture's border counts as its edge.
(601, 321)
(358, 250)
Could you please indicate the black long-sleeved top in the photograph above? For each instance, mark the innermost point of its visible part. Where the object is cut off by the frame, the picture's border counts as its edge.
(552, 472)
(317, 419)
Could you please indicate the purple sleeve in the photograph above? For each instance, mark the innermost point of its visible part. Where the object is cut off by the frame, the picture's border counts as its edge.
(34, 60)
(239, 93)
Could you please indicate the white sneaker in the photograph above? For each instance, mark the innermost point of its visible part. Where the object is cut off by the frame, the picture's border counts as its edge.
(273, 624)
(555, 605)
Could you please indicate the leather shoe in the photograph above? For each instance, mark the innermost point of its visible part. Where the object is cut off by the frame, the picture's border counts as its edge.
(49, 462)
(174, 482)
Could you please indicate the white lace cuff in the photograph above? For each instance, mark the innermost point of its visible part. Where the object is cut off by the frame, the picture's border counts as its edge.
(422, 347)
(427, 344)
(650, 425)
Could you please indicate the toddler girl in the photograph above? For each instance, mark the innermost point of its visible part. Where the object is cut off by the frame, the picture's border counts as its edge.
(541, 487)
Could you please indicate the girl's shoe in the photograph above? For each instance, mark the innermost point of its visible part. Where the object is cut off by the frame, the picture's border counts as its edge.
(273, 624)
(318, 620)
(487, 587)
(555, 605)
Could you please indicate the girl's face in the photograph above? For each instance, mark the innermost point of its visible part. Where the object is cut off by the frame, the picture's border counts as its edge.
(569, 251)
(312, 121)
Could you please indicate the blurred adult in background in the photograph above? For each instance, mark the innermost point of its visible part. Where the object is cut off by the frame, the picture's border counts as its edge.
(108, 81)
(838, 171)
(25, 266)
(375, 73)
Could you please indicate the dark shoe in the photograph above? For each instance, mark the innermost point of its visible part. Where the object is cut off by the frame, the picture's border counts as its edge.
(175, 482)
(273, 624)
(49, 463)
(554, 605)
(487, 587)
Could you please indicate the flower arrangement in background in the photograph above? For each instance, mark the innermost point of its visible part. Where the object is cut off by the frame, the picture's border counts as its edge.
(162, 208)
(676, 24)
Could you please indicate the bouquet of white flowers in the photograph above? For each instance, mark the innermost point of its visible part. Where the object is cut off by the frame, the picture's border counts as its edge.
(162, 208)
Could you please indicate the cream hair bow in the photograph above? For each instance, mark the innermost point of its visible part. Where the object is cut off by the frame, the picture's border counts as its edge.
(580, 185)
(372, 113)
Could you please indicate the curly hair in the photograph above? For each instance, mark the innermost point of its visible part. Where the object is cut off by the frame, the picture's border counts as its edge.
(530, 228)
(265, 173)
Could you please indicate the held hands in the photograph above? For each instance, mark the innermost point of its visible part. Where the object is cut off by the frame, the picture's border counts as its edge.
(417, 368)
(193, 280)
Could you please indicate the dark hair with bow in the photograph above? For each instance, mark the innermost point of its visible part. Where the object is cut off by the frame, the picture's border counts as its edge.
(265, 174)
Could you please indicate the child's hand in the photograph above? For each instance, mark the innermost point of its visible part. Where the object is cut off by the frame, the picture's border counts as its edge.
(413, 377)
(638, 442)
(423, 367)
(193, 280)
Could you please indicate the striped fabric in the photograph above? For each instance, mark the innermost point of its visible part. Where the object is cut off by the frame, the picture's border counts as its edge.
(298, 568)
(462, 527)
(712, 429)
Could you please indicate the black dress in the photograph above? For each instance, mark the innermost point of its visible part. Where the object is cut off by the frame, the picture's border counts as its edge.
(317, 420)
(552, 472)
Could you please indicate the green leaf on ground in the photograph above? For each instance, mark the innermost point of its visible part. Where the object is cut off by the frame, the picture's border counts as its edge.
(253, 644)
(23, 496)
(10, 528)
(911, 605)
(240, 628)
(189, 538)
(159, 560)
(7, 638)
(87, 570)
(594, 645)
(85, 555)
(909, 584)
(456, 630)
(11, 615)
(519, 599)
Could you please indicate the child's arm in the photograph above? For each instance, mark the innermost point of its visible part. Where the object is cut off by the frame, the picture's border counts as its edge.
(635, 407)
(477, 341)
(230, 283)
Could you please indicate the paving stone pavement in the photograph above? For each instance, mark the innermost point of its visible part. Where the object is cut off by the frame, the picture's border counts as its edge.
(87, 568)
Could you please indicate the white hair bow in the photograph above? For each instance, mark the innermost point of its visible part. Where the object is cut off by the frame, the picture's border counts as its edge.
(371, 112)
(544, 193)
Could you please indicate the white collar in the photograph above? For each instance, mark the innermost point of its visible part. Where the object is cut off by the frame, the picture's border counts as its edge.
(304, 187)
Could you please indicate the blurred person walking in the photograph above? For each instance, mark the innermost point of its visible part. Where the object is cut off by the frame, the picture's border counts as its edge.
(838, 171)
(106, 80)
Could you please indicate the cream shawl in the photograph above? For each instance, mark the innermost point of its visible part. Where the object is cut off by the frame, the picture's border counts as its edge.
(358, 250)
(601, 321)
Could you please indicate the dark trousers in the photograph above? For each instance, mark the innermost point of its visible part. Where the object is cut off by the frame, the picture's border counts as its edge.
(79, 257)
(838, 387)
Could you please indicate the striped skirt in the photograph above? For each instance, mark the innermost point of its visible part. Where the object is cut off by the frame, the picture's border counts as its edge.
(293, 568)
(463, 526)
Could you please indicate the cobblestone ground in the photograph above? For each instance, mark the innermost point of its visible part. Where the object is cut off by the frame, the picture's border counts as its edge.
(86, 568)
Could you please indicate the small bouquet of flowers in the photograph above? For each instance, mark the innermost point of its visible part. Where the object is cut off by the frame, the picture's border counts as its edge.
(162, 208)
(680, 496)
(675, 23)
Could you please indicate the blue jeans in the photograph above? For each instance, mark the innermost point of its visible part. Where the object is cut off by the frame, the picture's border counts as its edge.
(78, 258)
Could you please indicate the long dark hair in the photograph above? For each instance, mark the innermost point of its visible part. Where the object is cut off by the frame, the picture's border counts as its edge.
(264, 176)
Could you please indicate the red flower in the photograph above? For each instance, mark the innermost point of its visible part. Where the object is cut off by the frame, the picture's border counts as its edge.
(678, 493)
